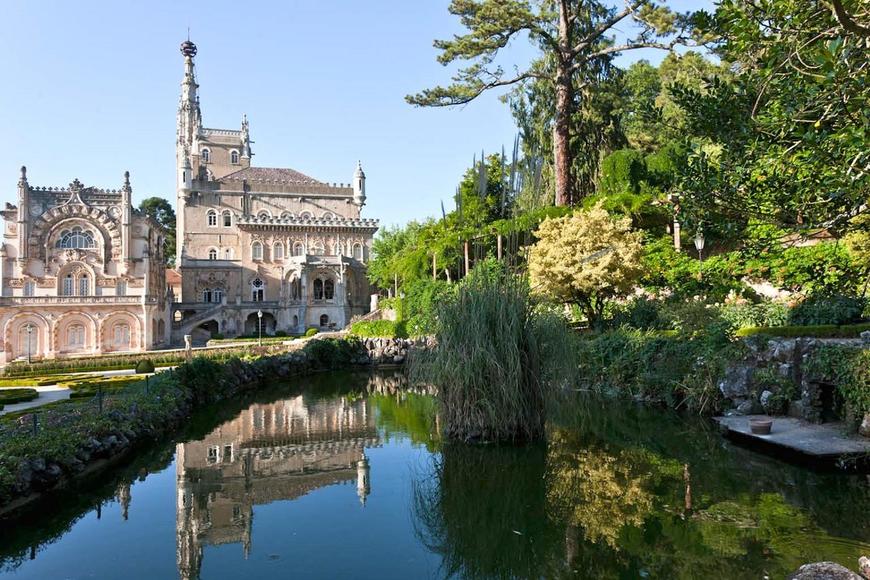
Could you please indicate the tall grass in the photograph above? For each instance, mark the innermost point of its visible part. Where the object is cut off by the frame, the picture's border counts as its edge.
(497, 357)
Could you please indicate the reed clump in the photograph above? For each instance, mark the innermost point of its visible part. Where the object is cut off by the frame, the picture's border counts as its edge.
(497, 356)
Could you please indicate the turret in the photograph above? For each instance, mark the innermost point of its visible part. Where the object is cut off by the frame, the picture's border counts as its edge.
(363, 486)
(359, 185)
(189, 124)
(23, 210)
(126, 217)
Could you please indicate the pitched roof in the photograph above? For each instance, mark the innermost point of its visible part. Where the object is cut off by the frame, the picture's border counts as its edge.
(173, 278)
(269, 174)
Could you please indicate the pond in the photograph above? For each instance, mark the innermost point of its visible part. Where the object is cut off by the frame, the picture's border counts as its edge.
(344, 476)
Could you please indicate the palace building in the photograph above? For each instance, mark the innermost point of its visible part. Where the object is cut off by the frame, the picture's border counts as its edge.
(81, 272)
(261, 248)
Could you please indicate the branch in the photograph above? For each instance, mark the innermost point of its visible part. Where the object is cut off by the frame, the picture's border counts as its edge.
(623, 47)
(846, 21)
(458, 94)
(599, 30)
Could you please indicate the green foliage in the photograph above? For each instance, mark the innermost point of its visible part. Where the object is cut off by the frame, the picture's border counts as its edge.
(764, 313)
(379, 329)
(495, 360)
(622, 172)
(88, 387)
(836, 310)
(849, 370)
(332, 353)
(310, 332)
(161, 212)
(420, 304)
(11, 396)
(144, 366)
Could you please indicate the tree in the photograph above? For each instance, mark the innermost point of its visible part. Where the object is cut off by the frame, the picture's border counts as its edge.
(573, 36)
(161, 212)
(585, 259)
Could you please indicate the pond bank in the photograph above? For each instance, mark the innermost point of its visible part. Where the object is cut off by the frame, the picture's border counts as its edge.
(77, 439)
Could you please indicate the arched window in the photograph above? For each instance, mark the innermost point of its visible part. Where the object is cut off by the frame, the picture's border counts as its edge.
(212, 254)
(256, 251)
(75, 336)
(329, 289)
(263, 215)
(278, 251)
(228, 219)
(76, 238)
(206, 295)
(121, 335)
(324, 320)
(212, 218)
(287, 215)
(298, 249)
(228, 254)
(84, 285)
(305, 215)
(68, 286)
(234, 157)
(317, 248)
(206, 155)
(328, 215)
(318, 289)
(358, 252)
(257, 288)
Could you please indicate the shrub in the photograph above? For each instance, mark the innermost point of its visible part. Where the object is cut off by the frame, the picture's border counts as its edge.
(849, 369)
(820, 309)
(379, 328)
(418, 307)
(765, 313)
(144, 366)
(818, 331)
(311, 332)
(91, 386)
(280, 333)
(12, 396)
(641, 313)
(217, 336)
(332, 353)
(495, 361)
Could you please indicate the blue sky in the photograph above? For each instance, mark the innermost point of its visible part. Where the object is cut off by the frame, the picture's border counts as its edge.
(92, 89)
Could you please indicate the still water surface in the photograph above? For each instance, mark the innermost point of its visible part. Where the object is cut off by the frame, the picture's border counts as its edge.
(343, 476)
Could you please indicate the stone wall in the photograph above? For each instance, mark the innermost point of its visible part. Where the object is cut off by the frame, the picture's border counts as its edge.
(383, 351)
(774, 378)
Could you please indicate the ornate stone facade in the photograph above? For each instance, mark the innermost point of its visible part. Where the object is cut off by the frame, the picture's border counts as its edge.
(80, 273)
(261, 240)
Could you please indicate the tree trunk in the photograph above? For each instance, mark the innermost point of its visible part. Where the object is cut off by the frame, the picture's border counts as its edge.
(561, 126)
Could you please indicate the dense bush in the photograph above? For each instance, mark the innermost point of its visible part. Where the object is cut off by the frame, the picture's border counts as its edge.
(764, 313)
(622, 172)
(89, 387)
(332, 353)
(822, 309)
(379, 329)
(310, 332)
(280, 333)
(849, 370)
(144, 366)
(818, 331)
(418, 306)
(12, 396)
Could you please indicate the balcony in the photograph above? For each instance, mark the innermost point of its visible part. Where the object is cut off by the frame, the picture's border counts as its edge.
(61, 300)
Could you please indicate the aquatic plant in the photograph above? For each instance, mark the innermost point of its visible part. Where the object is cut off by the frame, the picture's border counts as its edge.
(495, 360)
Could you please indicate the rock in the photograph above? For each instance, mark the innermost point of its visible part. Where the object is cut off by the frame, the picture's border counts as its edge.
(785, 370)
(782, 350)
(765, 398)
(744, 408)
(736, 383)
(864, 565)
(796, 409)
(864, 429)
(865, 336)
(824, 571)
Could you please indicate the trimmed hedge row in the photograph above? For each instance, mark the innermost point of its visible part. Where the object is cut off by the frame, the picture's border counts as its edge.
(12, 396)
(816, 331)
(379, 329)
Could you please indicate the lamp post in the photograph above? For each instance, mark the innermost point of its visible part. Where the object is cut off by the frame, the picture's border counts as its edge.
(699, 243)
(260, 325)
(29, 328)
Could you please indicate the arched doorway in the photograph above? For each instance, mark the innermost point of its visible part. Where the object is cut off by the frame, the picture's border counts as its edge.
(252, 324)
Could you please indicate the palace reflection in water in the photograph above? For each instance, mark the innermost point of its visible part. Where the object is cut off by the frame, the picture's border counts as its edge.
(270, 452)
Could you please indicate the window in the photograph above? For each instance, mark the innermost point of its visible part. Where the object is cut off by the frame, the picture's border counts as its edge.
(256, 251)
(212, 218)
(206, 155)
(317, 248)
(298, 249)
(228, 219)
(228, 254)
(278, 251)
(68, 286)
(228, 453)
(287, 215)
(328, 215)
(28, 288)
(217, 295)
(75, 336)
(234, 157)
(213, 454)
(206, 295)
(212, 254)
(305, 215)
(257, 288)
(329, 289)
(357, 252)
(84, 285)
(263, 215)
(121, 289)
(318, 289)
(76, 238)
(324, 320)
(121, 335)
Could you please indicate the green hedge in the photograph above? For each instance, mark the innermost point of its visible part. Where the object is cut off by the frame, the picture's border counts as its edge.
(816, 331)
(379, 329)
(12, 396)
(91, 386)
